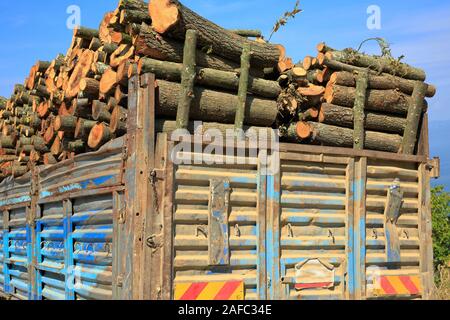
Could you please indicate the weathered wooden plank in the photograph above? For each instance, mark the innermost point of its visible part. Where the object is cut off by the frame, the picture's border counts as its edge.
(273, 255)
(376, 155)
(425, 232)
(261, 223)
(391, 214)
(136, 188)
(350, 229)
(119, 263)
(360, 195)
(31, 223)
(68, 250)
(218, 228)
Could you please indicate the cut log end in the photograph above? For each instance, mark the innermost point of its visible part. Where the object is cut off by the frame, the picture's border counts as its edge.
(321, 58)
(304, 130)
(311, 91)
(321, 47)
(98, 136)
(164, 13)
(329, 93)
(307, 62)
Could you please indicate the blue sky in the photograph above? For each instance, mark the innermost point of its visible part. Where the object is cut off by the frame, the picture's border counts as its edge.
(420, 30)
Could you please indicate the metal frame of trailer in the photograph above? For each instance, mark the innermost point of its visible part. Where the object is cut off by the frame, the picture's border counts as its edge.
(125, 222)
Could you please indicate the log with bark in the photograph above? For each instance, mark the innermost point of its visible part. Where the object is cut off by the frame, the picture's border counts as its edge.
(388, 101)
(343, 116)
(215, 106)
(173, 18)
(153, 45)
(209, 77)
(380, 82)
(377, 63)
(343, 137)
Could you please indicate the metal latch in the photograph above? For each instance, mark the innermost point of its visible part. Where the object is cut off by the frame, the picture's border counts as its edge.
(156, 174)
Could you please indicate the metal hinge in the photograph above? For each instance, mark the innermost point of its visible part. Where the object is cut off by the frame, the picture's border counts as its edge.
(434, 166)
(157, 174)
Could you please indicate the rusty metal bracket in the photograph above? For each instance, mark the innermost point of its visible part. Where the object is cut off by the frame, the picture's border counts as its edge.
(434, 166)
(157, 174)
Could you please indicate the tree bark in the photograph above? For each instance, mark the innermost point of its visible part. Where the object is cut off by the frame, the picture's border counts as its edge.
(380, 64)
(214, 106)
(85, 33)
(83, 128)
(358, 110)
(343, 137)
(8, 142)
(170, 16)
(7, 151)
(207, 77)
(343, 116)
(413, 120)
(187, 79)
(151, 44)
(90, 88)
(65, 123)
(3, 102)
(82, 108)
(380, 82)
(243, 88)
(100, 112)
(134, 16)
(7, 158)
(386, 101)
(39, 144)
(77, 146)
(247, 33)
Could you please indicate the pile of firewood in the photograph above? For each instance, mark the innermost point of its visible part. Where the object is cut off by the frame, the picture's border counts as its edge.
(228, 79)
(350, 99)
(78, 102)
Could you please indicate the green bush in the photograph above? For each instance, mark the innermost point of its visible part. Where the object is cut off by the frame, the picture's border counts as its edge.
(440, 201)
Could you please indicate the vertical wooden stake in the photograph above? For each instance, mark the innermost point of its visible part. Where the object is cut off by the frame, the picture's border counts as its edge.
(243, 88)
(187, 79)
(413, 120)
(360, 220)
(359, 133)
(425, 232)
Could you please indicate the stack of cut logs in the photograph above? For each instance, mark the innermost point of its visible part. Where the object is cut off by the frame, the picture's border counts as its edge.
(350, 99)
(228, 79)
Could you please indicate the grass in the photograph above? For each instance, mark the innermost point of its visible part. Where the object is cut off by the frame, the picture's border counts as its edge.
(442, 290)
